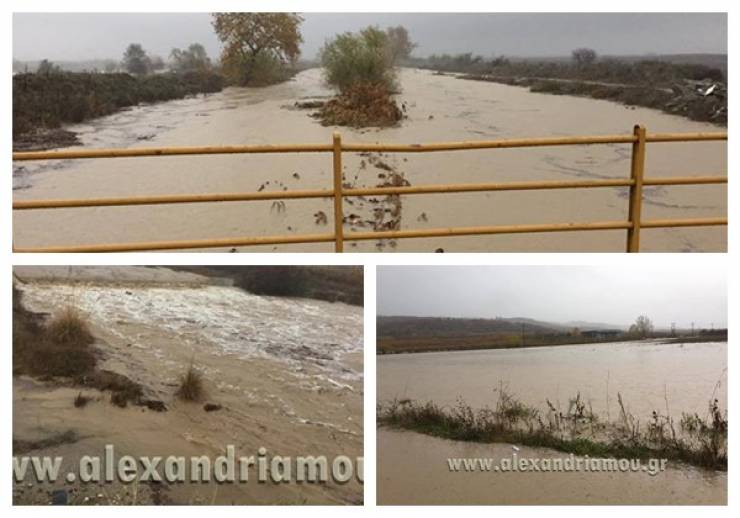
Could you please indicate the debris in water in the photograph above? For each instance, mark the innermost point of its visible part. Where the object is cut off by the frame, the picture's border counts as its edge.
(320, 218)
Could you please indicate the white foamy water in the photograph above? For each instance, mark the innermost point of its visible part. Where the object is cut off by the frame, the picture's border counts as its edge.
(298, 332)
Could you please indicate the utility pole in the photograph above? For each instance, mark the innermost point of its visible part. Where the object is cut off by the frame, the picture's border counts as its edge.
(692, 329)
(673, 329)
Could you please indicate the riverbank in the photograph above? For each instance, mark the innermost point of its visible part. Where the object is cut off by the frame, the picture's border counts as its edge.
(329, 283)
(704, 101)
(44, 102)
(306, 400)
(481, 343)
(692, 439)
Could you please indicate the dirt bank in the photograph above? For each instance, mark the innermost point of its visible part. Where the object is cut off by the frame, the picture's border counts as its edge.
(696, 100)
(43, 102)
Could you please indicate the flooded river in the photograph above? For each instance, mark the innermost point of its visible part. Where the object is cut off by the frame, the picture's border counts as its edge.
(668, 378)
(285, 373)
(645, 374)
(439, 108)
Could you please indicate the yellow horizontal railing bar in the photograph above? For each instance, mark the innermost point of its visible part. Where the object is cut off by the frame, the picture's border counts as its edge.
(363, 236)
(362, 191)
(695, 222)
(530, 229)
(170, 151)
(489, 144)
(181, 245)
(509, 186)
(321, 238)
(312, 148)
(685, 137)
(685, 180)
(364, 147)
(497, 229)
(170, 199)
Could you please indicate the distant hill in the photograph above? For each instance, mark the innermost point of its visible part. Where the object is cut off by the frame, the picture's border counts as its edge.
(708, 60)
(331, 283)
(434, 327)
(592, 326)
(423, 334)
(437, 327)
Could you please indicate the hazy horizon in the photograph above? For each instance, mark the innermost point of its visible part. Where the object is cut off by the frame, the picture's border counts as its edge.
(98, 36)
(556, 294)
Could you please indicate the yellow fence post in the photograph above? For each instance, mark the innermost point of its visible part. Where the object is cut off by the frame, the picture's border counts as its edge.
(637, 174)
(338, 211)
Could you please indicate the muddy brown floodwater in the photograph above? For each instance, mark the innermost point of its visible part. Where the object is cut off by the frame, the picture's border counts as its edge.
(286, 372)
(668, 378)
(439, 108)
(413, 470)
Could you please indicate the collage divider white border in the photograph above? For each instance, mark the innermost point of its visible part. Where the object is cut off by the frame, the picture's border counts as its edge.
(691, 261)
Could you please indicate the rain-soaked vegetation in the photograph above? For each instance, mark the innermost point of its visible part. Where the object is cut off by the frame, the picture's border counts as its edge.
(693, 439)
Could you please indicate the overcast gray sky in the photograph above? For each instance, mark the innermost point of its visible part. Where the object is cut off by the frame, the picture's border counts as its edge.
(73, 36)
(613, 295)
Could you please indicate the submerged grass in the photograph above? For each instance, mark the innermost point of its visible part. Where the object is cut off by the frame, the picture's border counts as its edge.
(703, 441)
(191, 385)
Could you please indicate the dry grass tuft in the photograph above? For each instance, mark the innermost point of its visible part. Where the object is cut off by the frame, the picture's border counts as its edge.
(68, 328)
(81, 401)
(57, 348)
(191, 385)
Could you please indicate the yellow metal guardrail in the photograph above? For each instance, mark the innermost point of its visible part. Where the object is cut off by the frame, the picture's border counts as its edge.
(634, 223)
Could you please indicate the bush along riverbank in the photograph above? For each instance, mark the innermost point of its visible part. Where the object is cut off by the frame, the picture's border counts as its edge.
(362, 68)
(44, 102)
(704, 101)
(680, 86)
(695, 440)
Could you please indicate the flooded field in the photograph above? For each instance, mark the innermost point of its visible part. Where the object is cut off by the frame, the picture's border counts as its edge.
(286, 372)
(413, 470)
(439, 108)
(668, 378)
(646, 375)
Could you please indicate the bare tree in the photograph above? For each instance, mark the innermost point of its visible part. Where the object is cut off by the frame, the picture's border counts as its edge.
(583, 56)
(399, 43)
(192, 59)
(643, 327)
(46, 67)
